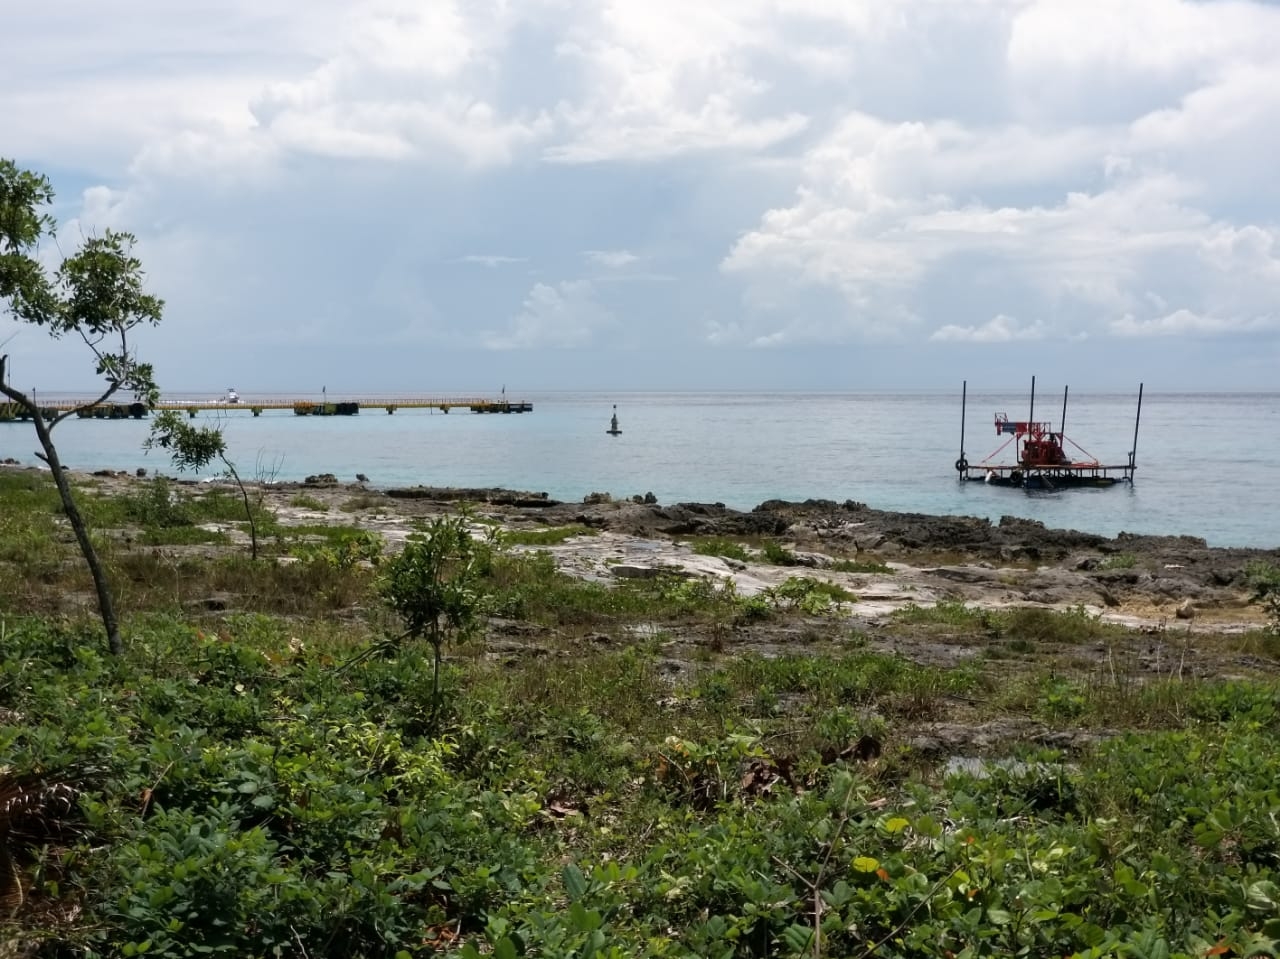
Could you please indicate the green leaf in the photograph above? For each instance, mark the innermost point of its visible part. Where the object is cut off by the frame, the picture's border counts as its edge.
(1263, 896)
(799, 939)
(575, 883)
(583, 919)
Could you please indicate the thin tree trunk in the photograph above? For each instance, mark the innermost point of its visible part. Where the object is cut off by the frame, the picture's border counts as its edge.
(248, 510)
(106, 605)
(436, 641)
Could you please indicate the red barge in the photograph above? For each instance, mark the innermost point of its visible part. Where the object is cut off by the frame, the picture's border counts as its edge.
(1041, 458)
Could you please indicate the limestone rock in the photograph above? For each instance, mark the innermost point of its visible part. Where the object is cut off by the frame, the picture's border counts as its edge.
(634, 571)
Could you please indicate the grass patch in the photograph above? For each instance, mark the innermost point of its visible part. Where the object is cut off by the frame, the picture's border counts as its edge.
(1019, 625)
(855, 566)
(528, 586)
(1118, 561)
(552, 536)
(183, 536)
(1062, 627)
(947, 614)
(776, 554)
(303, 501)
(718, 546)
(323, 532)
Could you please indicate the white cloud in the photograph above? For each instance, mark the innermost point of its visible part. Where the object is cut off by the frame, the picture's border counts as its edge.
(1189, 323)
(1079, 216)
(814, 172)
(395, 81)
(613, 259)
(564, 315)
(999, 329)
(665, 78)
(491, 260)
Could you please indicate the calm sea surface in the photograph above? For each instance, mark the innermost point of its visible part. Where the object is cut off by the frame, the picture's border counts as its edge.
(1208, 464)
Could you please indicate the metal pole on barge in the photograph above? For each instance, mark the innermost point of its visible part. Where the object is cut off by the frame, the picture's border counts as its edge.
(962, 464)
(1062, 429)
(1031, 417)
(1133, 453)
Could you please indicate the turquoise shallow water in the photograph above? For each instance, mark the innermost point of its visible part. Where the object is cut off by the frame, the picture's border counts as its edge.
(1208, 464)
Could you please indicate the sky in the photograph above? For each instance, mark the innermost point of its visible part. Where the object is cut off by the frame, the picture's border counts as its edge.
(462, 195)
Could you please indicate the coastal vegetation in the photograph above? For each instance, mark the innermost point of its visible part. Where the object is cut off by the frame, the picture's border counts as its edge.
(193, 448)
(1264, 580)
(95, 295)
(772, 552)
(552, 536)
(455, 748)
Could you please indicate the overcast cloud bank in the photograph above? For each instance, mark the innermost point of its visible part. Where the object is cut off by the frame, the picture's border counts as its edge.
(730, 194)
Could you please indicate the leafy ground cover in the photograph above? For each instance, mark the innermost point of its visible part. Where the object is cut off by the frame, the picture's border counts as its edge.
(263, 774)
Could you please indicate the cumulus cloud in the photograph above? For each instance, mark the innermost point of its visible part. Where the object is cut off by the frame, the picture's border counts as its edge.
(999, 329)
(566, 314)
(1080, 217)
(1186, 322)
(667, 78)
(817, 172)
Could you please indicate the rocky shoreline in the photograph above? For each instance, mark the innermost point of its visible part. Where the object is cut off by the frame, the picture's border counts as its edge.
(1140, 580)
(1143, 581)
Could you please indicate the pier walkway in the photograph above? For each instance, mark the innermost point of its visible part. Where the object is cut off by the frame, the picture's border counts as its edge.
(300, 407)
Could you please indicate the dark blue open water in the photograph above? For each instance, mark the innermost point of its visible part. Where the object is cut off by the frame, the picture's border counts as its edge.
(1208, 464)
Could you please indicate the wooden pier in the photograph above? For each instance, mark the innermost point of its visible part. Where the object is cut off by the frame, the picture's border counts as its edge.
(325, 406)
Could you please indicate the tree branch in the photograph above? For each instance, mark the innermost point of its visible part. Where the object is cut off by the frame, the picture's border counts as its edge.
(110, 391)
(16, 396)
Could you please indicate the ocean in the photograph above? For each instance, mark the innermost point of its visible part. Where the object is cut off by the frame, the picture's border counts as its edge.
(1208, 463)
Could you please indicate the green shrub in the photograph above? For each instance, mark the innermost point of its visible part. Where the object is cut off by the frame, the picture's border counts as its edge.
(1118, 561)
(1264, 581)
(250, 794)
(717, 546)
(777, 554)
(155, 505)
(812, 596)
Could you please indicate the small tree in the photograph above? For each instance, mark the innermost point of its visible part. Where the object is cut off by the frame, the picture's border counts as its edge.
(194, 448)
(95, 294)
(1264, 582)
(433, 586)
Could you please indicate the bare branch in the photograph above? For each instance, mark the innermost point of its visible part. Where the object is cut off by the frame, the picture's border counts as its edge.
(59, 417)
